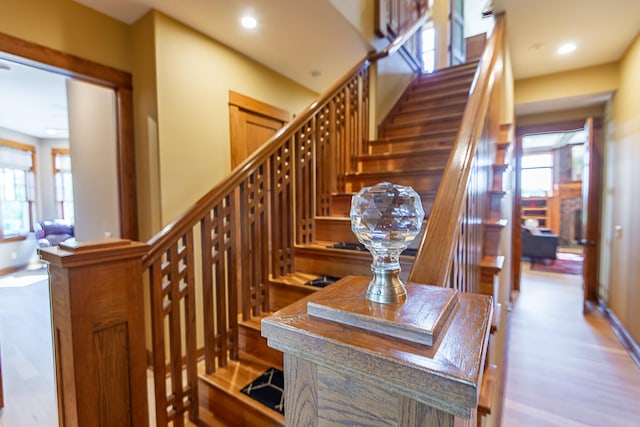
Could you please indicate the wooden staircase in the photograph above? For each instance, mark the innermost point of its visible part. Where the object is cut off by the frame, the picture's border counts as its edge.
(249, 246)
(413, 147)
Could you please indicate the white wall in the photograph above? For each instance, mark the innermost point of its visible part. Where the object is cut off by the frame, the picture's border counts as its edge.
(93, 141)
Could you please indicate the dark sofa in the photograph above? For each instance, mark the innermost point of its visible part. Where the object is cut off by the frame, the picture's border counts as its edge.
(539, 245)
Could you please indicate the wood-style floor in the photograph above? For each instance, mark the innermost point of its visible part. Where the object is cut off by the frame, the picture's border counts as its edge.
(27, 351)
(563, 369)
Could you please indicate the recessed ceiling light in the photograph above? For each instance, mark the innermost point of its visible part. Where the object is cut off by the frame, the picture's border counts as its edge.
(248, 21)
(52, 132)
(566, 48)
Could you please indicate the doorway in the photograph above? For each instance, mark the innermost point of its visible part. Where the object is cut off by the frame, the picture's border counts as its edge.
(33, 55)
(82, 70)
(252, 123)
(556, 206)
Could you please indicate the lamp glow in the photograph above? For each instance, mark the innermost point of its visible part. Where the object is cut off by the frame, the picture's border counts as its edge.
(249, 22)
(566, 48)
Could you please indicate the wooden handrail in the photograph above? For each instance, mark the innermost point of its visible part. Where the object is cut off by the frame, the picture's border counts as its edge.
(402, 38)
(434, 259)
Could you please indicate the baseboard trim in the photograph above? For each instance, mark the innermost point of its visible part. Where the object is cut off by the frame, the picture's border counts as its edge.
(14, 269)
(621, 332)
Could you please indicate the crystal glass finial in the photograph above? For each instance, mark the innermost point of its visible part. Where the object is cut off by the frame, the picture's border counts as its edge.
(386, 218)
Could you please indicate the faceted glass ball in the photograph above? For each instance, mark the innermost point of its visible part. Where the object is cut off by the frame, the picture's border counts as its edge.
(386, 216)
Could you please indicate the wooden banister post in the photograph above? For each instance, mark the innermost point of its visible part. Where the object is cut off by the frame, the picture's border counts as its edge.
(349, 361)
(98, 332)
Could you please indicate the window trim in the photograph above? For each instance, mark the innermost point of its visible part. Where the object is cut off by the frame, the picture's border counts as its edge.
(552, 167)
(31, 203)
(59, 203)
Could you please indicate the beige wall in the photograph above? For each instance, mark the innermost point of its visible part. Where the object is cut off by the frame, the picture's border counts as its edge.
(624, 151)
(194, 76)
(145, 125)
(584, 81)
(69, 27)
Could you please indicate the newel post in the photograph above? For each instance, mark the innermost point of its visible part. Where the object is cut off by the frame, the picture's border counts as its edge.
(350, 361)
(98, 332)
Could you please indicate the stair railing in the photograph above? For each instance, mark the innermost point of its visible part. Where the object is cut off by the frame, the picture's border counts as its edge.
(451, 249)
(221, 252)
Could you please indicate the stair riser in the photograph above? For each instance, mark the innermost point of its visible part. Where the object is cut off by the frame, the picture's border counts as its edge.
(233, 412)
(425, 92)
(402, 130)
(419, 113)
(423, 183)
(407, 162)
(250, 341)
(448, 73)
(334, 231)
(413, 111)
(340, 231)
(411, 144)
(345, 263)
(281, 295)
(434, 80)
(341, 205)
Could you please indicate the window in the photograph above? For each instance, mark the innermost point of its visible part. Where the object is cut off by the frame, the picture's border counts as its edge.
(537, 175)
(63, 183)
(428, 48)
(17, 188)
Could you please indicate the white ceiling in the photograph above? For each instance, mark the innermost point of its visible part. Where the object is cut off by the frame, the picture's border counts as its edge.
(294, 37)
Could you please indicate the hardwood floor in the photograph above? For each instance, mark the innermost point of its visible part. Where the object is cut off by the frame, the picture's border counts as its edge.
(27, 351)
(564, 369)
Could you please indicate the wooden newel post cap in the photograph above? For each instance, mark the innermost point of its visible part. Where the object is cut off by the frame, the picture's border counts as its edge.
(428, 351)
(88, 252)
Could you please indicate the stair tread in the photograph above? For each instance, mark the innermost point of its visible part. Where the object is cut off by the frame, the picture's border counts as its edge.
(400, 154)
(448, 102)
(233, 377)
(425, 121)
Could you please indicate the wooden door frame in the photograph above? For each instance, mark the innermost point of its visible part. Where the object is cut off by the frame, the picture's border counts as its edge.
(44, 58)
(516, 241)
(593, 212)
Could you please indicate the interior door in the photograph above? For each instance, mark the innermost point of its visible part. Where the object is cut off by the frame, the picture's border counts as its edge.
(591, 183)
(252, 123)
